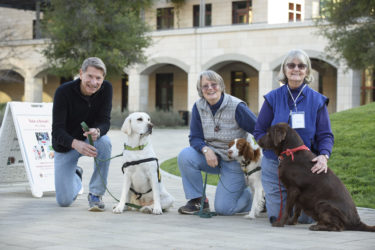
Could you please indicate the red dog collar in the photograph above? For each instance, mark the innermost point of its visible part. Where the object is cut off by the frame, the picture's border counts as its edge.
(289, 152)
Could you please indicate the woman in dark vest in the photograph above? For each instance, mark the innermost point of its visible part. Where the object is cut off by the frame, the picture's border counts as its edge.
(217, 118)
(306, 111)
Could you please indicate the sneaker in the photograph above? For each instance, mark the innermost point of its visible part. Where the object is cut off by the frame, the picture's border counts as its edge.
(79, 172)
(95, 202)
(193, 206)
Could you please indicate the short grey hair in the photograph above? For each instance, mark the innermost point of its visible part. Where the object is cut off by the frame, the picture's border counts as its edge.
(211, 76)
(303, 57)
(94, 62)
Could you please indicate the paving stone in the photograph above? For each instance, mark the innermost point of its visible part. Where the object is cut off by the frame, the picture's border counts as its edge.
(32, 223)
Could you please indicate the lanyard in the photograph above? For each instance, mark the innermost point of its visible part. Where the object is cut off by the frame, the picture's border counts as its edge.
(295, 100)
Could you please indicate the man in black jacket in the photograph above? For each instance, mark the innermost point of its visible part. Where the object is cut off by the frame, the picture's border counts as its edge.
(87, 99)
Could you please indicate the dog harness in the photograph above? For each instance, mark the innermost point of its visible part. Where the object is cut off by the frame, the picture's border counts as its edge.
(139, 195)
(131, 163)
(245, 163)
(289, 152)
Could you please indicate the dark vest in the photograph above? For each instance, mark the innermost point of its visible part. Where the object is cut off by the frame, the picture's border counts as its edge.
(309, 101)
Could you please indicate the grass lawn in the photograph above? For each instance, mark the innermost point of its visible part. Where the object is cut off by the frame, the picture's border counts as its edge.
(353, 156)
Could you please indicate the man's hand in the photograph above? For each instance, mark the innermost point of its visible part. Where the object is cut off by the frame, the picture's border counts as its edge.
(211, 158)
(94, 132)
(84, 148)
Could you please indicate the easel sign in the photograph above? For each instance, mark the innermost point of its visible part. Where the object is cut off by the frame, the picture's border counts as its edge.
(26, 152)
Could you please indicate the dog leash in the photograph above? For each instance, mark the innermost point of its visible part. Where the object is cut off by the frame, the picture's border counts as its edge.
(86, 129)
(210, 214)
(218, 175)
(287, 152)
(201, 213)
(281, 198)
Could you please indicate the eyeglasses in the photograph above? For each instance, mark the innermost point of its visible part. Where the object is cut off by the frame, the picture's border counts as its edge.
(207, 86)
(300, 66)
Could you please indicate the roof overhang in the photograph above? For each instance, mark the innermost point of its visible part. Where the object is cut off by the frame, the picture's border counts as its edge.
(22, 4)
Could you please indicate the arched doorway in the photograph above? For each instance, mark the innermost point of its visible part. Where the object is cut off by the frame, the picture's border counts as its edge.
(11, 85)
(241, 80)
(325, 81)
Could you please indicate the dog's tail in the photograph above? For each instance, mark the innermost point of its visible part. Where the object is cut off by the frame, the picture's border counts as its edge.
(363, 227)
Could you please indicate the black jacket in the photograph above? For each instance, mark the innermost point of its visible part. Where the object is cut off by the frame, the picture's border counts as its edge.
(70, 108)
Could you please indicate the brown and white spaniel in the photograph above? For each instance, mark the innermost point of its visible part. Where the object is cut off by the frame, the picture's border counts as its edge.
(248, 153)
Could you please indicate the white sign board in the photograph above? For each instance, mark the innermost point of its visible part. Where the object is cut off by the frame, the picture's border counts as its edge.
(26, 146)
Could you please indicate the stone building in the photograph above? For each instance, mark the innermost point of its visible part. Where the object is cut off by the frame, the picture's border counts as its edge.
(244, 41)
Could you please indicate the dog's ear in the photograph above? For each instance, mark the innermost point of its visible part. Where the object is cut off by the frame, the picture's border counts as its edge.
(126, 126)
(247, 151)
(256, 154)
(279, 134)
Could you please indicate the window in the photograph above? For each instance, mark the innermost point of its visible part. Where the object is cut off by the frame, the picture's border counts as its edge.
(164, 18)
(124, 92)
(164, 91)
(196, 9)
(295, 12)
(241, 12)
(37, 30)
(240, 85)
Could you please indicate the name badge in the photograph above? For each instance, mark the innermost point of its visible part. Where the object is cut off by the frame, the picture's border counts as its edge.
(298, 119)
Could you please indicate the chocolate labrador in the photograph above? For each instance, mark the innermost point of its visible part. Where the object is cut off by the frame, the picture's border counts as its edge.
(322, 196)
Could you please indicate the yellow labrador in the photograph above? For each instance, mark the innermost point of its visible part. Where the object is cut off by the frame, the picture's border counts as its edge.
(142, 183)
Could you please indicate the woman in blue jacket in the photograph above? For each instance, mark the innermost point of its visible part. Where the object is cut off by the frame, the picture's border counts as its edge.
(306, 111)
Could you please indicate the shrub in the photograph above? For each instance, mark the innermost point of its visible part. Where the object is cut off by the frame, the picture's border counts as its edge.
(159, 118)
(162, 118)
(118, 117)
(2, 111)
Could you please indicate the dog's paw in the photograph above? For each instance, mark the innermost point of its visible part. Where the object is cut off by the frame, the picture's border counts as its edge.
(314, 228)
(157, 211)
(277, 224)
(118, 209)
(249, 216)
(291, 222)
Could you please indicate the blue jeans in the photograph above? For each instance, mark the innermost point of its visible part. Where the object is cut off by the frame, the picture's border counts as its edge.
(270, 182)
(232, 195)
(67, 182)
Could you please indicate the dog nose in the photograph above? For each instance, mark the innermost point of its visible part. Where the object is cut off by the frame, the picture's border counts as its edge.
(230, 152)
(150, 125)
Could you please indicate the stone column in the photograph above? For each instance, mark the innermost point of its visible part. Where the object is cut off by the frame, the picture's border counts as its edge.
(33, 88)
(192, 90)
(348, 89)
(265, 83)
(138, 91)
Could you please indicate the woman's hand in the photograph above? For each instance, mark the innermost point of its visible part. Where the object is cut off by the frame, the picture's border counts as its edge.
(211, 158)
(320, 165)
